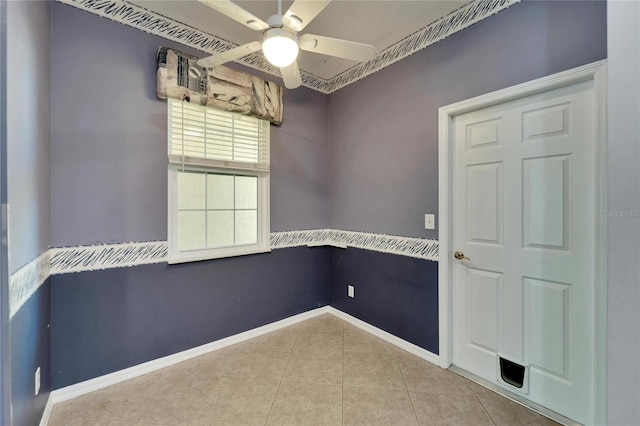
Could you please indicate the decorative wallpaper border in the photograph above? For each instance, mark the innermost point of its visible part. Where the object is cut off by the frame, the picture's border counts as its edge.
(442, 28)
(137, 17)
(105, 256)
(62, 260)
(419, 248)
(90, 258)
(25, 281)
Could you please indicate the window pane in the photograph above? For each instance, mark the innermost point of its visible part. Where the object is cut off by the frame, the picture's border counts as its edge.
(191, 190)
(219, 192)
(219, 228)
(191, 230)
(246, 192)
(246, 227)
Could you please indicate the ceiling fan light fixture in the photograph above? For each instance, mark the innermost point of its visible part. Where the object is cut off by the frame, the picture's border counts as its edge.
(280, 47)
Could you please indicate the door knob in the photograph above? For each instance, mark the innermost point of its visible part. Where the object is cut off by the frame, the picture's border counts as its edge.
(460, 255)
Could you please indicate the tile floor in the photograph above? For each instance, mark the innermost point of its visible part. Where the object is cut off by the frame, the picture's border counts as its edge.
(322, 371)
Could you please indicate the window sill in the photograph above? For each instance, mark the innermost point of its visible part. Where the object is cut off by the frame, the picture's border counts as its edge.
(177, 258)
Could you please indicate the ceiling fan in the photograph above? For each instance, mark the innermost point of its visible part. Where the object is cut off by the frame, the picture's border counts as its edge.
(280, 39)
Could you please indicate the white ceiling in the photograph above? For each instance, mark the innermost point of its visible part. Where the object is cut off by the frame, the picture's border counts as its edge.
(379, 23)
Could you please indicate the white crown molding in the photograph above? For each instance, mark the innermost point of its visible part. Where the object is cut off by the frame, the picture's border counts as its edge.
(137, 17)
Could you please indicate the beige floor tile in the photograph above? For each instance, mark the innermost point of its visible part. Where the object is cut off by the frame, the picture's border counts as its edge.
(310, 340)
(213, 364)
(356, 340)
(326, 323)
(171, 409)
(307, 404)
(372, 370)
(377, 407)
(506, 412)
(181, 379)
(279, 340)
(262, 364)
(481, 391)
(319, 367)
(449, 410)
(59, 417)
(237, 401)
(296, 376)
(106, 403)
(423, 376)
(83, 421)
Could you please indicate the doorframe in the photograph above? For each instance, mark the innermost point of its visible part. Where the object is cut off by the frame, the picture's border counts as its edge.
(596, 72)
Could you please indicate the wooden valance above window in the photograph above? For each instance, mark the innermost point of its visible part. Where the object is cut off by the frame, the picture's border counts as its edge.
(179, 77)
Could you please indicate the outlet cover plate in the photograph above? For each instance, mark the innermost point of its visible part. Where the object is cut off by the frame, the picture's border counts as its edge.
(351, 291)
(429, 221)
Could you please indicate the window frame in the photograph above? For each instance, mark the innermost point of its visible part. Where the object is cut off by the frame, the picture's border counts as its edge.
(263, 244)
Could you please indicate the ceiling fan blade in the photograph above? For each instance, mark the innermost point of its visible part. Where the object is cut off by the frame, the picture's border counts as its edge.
(230, 55)
(336, 47)
(302, 12)
(291, 76)
(235, 12)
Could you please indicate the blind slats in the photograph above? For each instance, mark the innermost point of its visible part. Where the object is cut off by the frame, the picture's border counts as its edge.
(228, 139)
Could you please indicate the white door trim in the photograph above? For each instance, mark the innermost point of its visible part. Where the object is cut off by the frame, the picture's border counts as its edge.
(595, 72)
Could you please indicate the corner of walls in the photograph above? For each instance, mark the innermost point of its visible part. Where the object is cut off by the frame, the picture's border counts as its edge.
(29, 200)
(383, 146)
(109, 187)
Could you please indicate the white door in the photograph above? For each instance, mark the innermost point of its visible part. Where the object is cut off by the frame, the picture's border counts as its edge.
(523, 212)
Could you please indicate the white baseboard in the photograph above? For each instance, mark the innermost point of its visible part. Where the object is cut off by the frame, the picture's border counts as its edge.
(394, 340)
(78, 389)
(47, 412)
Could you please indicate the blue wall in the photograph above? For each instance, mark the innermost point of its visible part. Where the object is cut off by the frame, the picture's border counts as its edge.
(383, 147)
(383, 130)
(109, 184)
(108, 320)
(364, 158)
(30, 348)
(397, 294)
(28, 192)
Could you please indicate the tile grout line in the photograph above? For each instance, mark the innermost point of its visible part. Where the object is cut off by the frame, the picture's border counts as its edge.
(395, 357)
(222, 376)
(467, 381)
(483, 406)
(275, 396)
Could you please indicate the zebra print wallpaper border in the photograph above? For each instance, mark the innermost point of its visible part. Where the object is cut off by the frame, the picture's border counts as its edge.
(61, 260)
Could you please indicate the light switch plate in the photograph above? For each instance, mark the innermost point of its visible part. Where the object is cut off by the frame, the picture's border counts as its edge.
(429, 221)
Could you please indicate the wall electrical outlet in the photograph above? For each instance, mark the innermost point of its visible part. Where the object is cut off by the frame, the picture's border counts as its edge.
(37, 381)
(351, 291)
(429, 221)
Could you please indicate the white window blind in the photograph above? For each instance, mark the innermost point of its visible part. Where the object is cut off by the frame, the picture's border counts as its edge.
(209, 137)
(218, 183)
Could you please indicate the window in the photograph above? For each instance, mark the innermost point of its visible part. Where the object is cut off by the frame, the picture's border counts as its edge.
(218, 183)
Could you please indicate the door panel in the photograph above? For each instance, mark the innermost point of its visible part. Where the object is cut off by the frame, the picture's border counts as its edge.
(523, 210)
(485, 200)
(546, 193)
